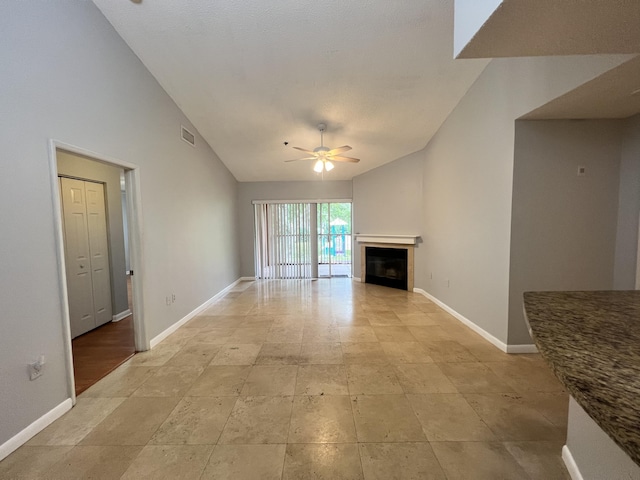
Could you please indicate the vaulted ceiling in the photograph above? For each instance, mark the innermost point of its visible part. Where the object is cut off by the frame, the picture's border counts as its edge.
(253, 74)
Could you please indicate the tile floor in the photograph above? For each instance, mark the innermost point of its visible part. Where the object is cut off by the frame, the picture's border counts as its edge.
(326, 379)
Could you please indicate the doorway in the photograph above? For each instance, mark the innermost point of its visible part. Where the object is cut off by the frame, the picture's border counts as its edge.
(95, 198)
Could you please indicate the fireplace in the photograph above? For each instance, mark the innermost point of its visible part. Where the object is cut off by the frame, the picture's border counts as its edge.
(386, 267)
(387, 259)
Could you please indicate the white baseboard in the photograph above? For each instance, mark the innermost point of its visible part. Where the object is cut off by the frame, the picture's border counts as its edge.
(121, 315)
(158, 338)
(571, 465)
(479, 330)
(246, 279)
(36, 427)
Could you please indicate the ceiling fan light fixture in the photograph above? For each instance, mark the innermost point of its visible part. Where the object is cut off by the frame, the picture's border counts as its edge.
(318, 166)
(328, 166)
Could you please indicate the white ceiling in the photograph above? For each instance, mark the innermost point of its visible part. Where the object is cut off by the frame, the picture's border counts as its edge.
(252, 74)
(522, 28)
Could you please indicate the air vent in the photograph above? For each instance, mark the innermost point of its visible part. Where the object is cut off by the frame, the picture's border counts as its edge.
(188, 137)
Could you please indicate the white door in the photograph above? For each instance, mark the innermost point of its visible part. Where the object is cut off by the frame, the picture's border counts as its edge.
(86, 254)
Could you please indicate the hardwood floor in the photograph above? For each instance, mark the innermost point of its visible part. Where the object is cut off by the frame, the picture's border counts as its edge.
(98, 352)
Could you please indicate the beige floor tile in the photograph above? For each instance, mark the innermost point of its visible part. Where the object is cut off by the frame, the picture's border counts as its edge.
(160, 462)
(364, 353)
(270, 380)
(385, 418)
(416, 319)
(195, 421)
(448, 417)
(405, 352)
(245, 462)
(553, 406)
(423, 378)
(399, 461)
(321, 354)
(209, 322)
(526, 376)
(372, 380)
(258, 420)
(215, 336)
(197, 354)
(320, 334)
(474, 378)
(169, 382)
(279, 354)
(95, 463)
(486, 352)
(285, 334)
(220, 380)
(321, 380)
(237, 354)
(32, 462)
(322, 462)
(181, 336)
(155, 357)
(448, 352)
(383, 319)
(132, 423)
(512, 419)
(120, 383)
(434, 333)
(540, 459)
(257, 321)
(322, 419)
(74, 425)
(477, 461)
(357, 334)
(249, 335)
(394, 334)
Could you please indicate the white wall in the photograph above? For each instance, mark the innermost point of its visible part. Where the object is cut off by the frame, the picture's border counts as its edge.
(628, 206)
(563, 226)
(470, 15)
(468, 183)
(388, 200)
(249, 191)
(67, 75)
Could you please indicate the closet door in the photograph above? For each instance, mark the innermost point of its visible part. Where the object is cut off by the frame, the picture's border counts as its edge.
(86, 254)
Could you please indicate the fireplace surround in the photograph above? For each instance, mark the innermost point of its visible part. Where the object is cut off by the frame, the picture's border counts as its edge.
(389, 251)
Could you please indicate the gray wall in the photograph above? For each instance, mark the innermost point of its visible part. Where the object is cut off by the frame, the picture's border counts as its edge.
(249, 191)
(388, 200)
(629, 207)
(67, 75)
(563, 226)
(468, 180)
(77, 166)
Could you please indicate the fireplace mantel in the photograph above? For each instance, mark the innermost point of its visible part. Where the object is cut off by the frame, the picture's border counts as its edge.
(385, 238)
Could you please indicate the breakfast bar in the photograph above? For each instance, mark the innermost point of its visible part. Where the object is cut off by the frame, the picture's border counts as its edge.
(591, 341)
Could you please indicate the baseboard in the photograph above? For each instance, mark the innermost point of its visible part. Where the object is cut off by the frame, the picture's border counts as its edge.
(160, 337)
(246, 279)
(121, 316)
(36, 427)
(357, 279)
(571, 465)
(524, 348)
(479, 330)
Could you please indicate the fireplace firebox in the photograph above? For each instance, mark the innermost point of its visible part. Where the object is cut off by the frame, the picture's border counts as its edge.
(387, 267)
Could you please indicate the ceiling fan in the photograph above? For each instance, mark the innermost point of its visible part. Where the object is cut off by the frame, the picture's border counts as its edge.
(324, 156)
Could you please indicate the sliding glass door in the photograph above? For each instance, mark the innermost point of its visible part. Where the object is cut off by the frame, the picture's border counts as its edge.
(334, 239)
(288, 234)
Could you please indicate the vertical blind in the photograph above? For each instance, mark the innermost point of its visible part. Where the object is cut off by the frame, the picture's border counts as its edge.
(283, 240)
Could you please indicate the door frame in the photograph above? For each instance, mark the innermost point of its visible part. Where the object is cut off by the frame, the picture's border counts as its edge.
(135, 237)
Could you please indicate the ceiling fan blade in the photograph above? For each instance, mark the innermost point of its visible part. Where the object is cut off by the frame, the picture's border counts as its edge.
(298, 159)
(304, 150)
(334, 151)
(344, 159)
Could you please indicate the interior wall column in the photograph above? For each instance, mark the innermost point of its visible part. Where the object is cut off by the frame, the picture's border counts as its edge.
(314, 239)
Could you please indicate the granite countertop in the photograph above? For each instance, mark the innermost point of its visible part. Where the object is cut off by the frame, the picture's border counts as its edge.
(591, 340)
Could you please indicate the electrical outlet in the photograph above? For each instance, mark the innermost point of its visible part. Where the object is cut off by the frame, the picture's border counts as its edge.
(36, 368)
(431, 276)
(173, 298)
(448, 283)
(168, 301)
(582, 171)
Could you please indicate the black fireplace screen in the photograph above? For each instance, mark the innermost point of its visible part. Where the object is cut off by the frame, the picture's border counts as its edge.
(386, 267)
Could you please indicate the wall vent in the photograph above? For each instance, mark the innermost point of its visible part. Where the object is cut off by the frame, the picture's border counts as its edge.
(188, 137)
